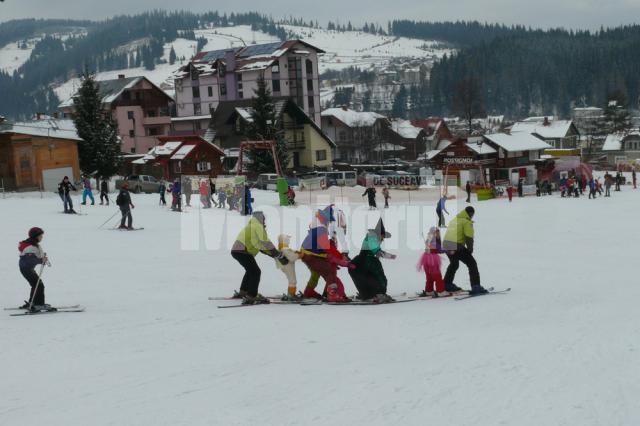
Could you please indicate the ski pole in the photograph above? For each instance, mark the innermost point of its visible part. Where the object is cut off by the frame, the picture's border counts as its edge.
(35, 290)
(109, 220)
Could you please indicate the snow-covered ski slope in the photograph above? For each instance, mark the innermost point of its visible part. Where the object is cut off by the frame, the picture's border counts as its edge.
(343, 49)
(560, 349)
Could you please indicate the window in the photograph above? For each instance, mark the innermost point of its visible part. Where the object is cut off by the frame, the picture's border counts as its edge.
(132, 133)
(276, 85)
(223, 89)
(196, 91)
(240, 95)
(311, 102)
(239, 77)
(309, 66)
(321, 155)
(130, 115)
(197, 109)
(133, 150)
(151, 113)
(275, 69)
(309, 85)
(239, 86)
(210, 91)
(203, 166)
(177, 167)
(154, 131)
(342, 135)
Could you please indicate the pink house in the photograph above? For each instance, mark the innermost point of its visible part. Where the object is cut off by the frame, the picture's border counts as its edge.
(139, 107)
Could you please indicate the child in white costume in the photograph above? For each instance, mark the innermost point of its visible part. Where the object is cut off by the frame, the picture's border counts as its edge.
(290, 268)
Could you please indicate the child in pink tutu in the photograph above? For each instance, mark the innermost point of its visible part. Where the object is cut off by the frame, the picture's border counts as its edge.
(430, 262)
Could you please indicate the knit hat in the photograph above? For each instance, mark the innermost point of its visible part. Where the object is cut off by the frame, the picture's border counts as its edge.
(35, 232)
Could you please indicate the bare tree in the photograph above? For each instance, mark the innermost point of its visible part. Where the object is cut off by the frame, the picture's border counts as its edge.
(468, 101)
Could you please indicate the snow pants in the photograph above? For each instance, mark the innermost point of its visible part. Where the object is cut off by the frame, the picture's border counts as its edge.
(440, 218)
(372, 202)
(461, 255)
(104, 197)
(321, 267)
(36, 296)
(252, 272)
(162, 200)
(68, 204)
(433, 277)
(87, 193)
(126, 216)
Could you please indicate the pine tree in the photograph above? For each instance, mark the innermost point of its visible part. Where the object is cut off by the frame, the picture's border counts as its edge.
(99, 149)
(399, 108)
(263, 128)
(172, 56)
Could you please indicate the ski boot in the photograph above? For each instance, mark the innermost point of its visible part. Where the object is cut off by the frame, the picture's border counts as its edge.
(288, 297)
(444, 293)
(310, 293)
(452, 288)
(426, 293)
(257, 300)
(477, 290)
(334, 296)
(239, 294)
(383, 298)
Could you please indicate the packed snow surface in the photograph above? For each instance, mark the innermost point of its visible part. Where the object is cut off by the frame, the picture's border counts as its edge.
(561, 349)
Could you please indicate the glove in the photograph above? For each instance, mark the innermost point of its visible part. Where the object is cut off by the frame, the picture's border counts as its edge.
(351, 266)
(283, 260)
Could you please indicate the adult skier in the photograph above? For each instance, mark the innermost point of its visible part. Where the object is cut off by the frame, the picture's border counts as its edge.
(87, 192)
(247, 204)
(440, 209)
(370, 192)
(64, 188)
(368, 274)
(520, 189)
(32, 255)
(608, 182)
(468, 189)
(618, 180)
(104, 192)
(124, 202)
(250, 241)
(458, 244)
(634, 179)
(187, 190)
(176, 194)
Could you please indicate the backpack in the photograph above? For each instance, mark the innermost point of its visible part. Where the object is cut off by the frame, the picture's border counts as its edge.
(120, 199)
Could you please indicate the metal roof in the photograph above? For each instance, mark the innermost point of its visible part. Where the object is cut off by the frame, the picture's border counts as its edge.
(260, 49)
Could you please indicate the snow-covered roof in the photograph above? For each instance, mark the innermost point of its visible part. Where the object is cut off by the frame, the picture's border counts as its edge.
(59, 129)
(182, 153)
(353, 118)
(256, 65)
(517, 142)
(245, 113)
(405, 129)
(554, 129)
(613, 142)
(388, 147)
(166, 149)
(192, 117)
(481, 148)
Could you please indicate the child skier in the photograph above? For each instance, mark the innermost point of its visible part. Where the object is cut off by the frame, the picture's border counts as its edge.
(162, 189)
(87, 192)
(31, 255)
(290, 268)
(386, 195)
(431, 262)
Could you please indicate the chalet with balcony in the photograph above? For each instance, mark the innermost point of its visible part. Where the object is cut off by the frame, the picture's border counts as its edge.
(290, 69)
(359, 136)
(411, 139)
(516, 156)
(139, 107)
(561, 135)
(309, 147)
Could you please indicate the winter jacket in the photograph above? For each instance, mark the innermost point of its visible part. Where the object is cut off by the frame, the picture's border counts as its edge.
(253, 239)
(86, 183)
(30, 255)
(460, 232)
(442, 205)
(104, 187)
(317, 240)
(123, 200)
(65, 187)
(370, 192)
(162, 188)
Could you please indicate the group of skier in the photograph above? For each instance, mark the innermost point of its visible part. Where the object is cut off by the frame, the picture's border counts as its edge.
(324, 250)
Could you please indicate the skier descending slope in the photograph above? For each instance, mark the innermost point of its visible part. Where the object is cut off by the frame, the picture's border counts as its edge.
(64, 188)
(322, 258)
(458, 243)
(368, 274)
(31, 255)
(251, 240)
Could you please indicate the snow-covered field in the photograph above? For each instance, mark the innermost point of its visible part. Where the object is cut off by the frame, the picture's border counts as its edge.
(561, 349)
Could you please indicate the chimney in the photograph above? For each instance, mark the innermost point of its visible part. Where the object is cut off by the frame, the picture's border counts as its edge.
(546, 121)
(120, 76)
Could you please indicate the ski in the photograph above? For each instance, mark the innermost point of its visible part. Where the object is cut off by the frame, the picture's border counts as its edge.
(59, 311)
(297, 302)
(76, 214)
(132, 229)
(489, 292)
(359, 303)
(242, 305)
(57, 307)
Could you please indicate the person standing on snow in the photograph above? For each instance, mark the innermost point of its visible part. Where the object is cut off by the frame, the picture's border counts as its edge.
(367, 272)
(247, 201)
(322, 257)
(520, 189)
(634, 179)
(205, 198)
(162, 189)
(441, 208)
(188, 190)
(386, 195)
(458, 244)
(468, 189)
(618, 181)
(592, 188)
(125, 204)
(64, 188)
(370, 192)
(250, 241)
(430, 262)
(608, 181)
(86, 183)
(291, 196)
(510, 192)
(32, 255)
(289, 270)
(176, 193)
(104, 192)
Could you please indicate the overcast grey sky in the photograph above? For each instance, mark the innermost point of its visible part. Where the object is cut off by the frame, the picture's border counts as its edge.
(537, 13)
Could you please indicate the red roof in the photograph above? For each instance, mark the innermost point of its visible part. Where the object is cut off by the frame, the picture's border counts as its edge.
(190, 140)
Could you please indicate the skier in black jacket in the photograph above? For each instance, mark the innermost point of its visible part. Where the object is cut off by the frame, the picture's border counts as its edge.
(124, 202)
(64, 188)
(104, 192)
(371, 196)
